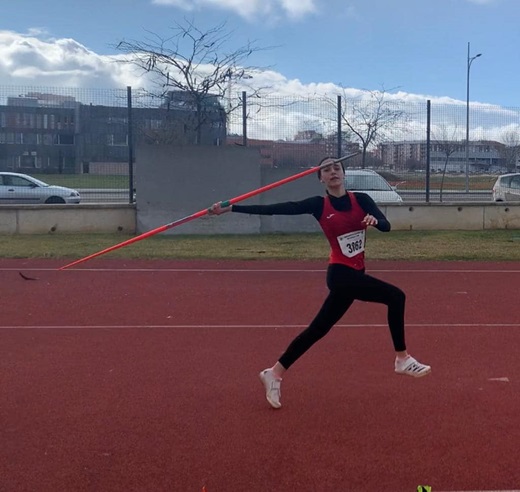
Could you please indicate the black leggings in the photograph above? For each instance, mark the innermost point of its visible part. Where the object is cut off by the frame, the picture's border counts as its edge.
(346, 285)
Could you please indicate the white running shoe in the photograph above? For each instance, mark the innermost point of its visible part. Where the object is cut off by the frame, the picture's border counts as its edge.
(411, 367)
(272, 387)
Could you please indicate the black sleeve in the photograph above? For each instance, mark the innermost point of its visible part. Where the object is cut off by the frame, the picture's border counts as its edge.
(370, 207)
(313, 205)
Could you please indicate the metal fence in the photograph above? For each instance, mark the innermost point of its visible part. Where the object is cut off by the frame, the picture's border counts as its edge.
(84, 138)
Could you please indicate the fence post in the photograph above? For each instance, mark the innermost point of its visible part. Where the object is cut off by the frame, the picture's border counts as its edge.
(339, 151)
(130, 146)
(244, 119)
(428, 128)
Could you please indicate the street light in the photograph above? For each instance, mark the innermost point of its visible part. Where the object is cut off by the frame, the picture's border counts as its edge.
(470, 61)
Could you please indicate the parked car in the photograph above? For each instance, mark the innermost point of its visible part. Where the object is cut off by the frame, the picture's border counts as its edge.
(16, 188)
(507, 188)
(371, 183)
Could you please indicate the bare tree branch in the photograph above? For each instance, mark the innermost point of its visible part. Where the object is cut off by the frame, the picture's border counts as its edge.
(447, 145)
(371, 120)
(194, 62)
(510, 152)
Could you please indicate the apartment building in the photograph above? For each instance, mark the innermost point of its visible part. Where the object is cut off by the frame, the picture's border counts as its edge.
(483, 156)
(48, 133)
(306, 149)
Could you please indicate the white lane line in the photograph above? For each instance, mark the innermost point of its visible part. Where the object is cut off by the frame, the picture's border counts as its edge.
(374, 325)
(243, 270)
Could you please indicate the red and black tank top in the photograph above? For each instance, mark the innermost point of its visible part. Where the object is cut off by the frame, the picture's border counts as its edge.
(345, 232)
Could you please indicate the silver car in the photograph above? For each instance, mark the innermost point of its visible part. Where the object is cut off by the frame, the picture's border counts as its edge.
(373, 184)
(16, 188)
(507, 188)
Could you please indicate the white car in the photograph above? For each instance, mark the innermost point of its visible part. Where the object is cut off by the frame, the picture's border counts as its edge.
(507, 188)
(16, 188)
(373, 184)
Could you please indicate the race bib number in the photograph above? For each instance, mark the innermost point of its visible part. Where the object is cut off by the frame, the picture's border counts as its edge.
(353, 243)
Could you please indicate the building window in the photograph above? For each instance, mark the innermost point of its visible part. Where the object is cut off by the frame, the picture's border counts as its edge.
(154, 124)
(48, 139)
(31, 138)
(28, 120)
(116, 120)
(117, 139)
(64, 139)
(10, 138)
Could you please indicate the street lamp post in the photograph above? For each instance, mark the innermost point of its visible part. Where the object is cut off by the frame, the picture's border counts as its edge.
(469, 62)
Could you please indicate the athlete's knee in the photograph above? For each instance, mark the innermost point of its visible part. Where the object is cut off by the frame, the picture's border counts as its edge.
(398, 296)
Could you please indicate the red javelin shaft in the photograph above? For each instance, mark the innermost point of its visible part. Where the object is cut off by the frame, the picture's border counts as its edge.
(200, 213)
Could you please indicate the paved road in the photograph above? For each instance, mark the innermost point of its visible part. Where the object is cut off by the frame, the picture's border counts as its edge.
(121, 196)
(104, 195)
(447, 196)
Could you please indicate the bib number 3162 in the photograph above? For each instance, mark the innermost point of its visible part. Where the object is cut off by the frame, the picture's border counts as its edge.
(353, 243)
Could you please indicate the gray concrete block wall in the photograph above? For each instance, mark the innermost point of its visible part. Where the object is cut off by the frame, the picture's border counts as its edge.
(502, 216)
(67, 219)
(174, 182)
(452, 216)
(446, 216)
(91, 218)
(295, 190)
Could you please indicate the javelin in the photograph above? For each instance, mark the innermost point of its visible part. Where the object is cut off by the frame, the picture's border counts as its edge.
(205, 211)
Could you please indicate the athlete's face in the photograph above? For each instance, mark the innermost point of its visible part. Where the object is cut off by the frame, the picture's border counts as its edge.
(332, 174)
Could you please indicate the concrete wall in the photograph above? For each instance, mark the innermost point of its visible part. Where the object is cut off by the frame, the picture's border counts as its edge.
(174, 182)
(453, 216)
(30, 219)
(42, 219)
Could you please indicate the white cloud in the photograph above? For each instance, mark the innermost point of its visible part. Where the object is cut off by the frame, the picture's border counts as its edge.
(35, 62)
(249, 9)
(298, 8)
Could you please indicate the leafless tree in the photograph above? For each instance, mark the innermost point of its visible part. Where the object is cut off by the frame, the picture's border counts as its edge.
(191, 68)
(445, 143)
(510, 152)
(371, 119)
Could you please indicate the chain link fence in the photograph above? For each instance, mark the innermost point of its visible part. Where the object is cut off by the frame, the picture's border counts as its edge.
(84, 138)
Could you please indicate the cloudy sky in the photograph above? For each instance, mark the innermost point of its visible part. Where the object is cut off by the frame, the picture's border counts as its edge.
(416, 48)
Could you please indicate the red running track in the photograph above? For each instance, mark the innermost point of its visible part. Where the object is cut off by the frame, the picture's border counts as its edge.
(143, 376)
